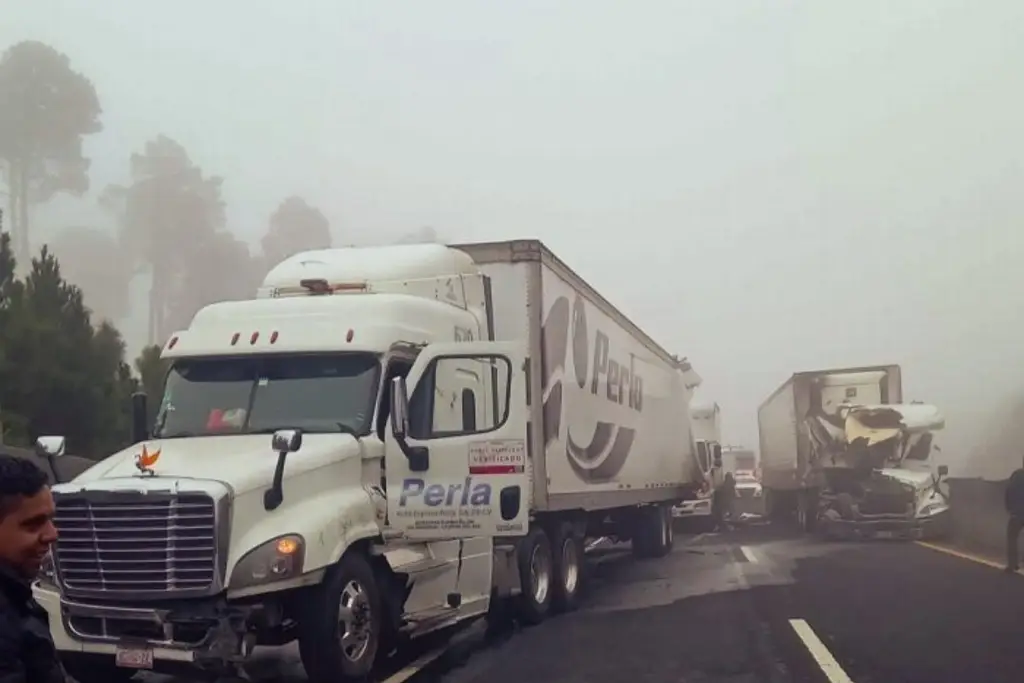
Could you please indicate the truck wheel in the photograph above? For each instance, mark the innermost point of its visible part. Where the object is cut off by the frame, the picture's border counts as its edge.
(535, 576)
(653, 535)
(94, 669)
(340, 623)
(568, 568)
(807, 511)
(666, 535)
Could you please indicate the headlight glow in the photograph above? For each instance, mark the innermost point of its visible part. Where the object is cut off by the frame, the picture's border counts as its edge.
(278, 559)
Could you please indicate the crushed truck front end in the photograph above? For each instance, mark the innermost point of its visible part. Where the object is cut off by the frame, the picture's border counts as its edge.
(879, 481)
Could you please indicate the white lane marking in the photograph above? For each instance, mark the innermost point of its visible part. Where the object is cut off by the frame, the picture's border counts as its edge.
(696, 539)
(749, 554)
(413, 668)
(828, 664)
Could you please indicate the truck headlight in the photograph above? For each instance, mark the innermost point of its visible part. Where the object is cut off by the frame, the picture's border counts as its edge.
(932, 509)
(277, 559)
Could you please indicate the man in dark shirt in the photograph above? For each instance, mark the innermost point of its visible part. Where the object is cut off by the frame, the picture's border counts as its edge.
(722, 502)
(27, 654)
(1014, 500)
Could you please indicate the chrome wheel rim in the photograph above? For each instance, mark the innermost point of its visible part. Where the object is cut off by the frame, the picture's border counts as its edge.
(355, 621)
(540, 574)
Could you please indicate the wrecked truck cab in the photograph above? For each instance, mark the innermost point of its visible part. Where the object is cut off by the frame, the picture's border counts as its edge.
(879, 481)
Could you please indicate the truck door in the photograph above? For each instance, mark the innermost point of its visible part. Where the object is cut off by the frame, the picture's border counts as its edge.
(456, 443)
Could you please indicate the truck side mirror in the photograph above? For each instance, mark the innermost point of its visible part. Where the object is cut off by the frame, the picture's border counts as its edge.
(284, 441)
(716, 450)
(50, 446)
(943, 470)
(418, 456)
(399, 399)
(140, 417)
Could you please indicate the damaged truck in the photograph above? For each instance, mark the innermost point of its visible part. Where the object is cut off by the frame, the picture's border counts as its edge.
(843, 454)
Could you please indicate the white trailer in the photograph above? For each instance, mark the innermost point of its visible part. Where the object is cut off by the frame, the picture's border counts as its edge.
(840, 449)
(385, 442)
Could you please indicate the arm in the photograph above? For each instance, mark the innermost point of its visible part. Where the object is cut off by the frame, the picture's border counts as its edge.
(12, 669)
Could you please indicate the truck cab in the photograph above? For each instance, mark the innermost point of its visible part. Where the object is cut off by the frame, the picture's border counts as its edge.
(331, 462)
(707, 447)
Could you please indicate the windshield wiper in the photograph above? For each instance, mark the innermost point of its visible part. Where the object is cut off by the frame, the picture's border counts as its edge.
(182, 434)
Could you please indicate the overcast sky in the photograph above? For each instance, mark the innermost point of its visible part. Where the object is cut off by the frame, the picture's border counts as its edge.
(765, 186)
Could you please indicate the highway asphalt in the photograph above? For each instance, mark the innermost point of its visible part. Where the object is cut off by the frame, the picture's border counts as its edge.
(766, 605)
(757, 604)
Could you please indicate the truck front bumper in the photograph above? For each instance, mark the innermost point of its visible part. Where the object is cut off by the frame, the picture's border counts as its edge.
(207, 635)
(692, 508)
(905, 528)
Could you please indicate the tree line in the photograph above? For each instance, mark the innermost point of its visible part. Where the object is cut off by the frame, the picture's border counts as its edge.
(62, 361)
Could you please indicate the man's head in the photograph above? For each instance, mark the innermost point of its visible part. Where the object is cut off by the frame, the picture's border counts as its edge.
(26, 516)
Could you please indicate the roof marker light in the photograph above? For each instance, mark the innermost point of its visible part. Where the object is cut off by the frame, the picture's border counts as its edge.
(273, 336)
(254, 337)
(170, 344)
(234, 338)
(349, 335)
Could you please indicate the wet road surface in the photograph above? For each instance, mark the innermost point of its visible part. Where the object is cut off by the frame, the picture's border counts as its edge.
(758, 604)
(765, 605)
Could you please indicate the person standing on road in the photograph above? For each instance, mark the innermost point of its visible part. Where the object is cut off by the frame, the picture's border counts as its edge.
(1014, 500)
(27, 653)
(722, 501)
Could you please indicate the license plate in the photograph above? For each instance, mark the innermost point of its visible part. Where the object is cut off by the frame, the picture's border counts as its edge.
(130, 657)
(884, 534)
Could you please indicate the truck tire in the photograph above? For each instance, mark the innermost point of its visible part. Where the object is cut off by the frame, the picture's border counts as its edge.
(653, 535)
(94, 669)
(807, 511)
(666, 534)
(535, 576)
(568, 567)
(340, 623)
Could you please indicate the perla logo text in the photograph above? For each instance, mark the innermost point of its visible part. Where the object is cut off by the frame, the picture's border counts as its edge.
(468, 492)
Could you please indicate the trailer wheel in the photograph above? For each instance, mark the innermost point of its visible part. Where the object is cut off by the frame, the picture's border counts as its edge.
(568, 568)
(653, 535)
(666, 534)
(535, 576)
(807, 511)
(340, 623)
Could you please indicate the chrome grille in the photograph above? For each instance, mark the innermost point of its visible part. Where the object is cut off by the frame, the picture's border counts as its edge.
(135, 543)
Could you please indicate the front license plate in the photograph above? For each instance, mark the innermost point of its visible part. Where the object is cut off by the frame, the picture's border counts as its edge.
(130, 657)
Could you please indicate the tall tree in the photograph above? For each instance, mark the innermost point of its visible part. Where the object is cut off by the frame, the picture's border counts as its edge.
(59, 374)
(46, 109)
(168, 214)
(91, 258)
(294, 226)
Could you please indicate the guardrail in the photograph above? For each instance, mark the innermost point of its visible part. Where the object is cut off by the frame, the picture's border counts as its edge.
(978, 516)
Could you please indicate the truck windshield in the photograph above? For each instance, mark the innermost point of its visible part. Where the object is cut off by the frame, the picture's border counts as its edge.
(260, 394)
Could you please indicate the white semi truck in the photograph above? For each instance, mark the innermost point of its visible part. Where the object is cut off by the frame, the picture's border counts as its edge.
(696, 508)
(385, 442)
(841, 450)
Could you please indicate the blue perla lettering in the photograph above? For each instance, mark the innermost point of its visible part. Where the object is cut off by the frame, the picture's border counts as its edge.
(469, 492)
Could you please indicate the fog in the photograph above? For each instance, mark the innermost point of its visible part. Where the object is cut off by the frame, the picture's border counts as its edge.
(764, 187)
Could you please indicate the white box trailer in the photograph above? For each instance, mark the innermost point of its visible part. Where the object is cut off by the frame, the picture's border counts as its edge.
(607, 397)
(385, 442)
(841, 450)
